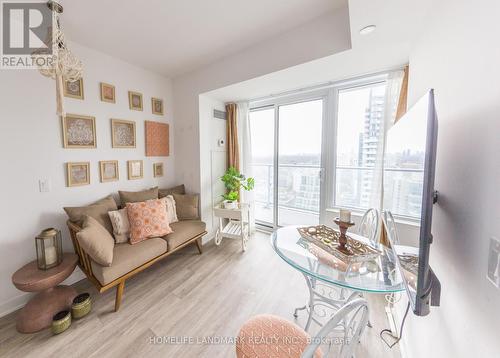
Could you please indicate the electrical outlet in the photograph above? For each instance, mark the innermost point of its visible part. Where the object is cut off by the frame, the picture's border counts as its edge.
(494, 262)
(44, 185)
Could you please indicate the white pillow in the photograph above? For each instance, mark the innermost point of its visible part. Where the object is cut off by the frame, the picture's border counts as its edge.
(171, 210)
(121, 225)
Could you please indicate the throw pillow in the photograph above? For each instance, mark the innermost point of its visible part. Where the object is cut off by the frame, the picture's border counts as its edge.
(171, 211)
(137, 196)
(179, 189)
(121, 225)
(98, 210)
(96, 241)
(147, 219)
(186, 206)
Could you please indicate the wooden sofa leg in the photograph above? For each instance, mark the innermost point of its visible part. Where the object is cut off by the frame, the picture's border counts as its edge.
(119, 293)
(199, 245)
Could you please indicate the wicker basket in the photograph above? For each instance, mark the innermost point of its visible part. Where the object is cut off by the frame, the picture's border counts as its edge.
(61, 322)
(81, 306)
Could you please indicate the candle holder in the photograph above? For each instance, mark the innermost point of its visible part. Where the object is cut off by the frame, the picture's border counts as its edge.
(48, 248)
(343, 226)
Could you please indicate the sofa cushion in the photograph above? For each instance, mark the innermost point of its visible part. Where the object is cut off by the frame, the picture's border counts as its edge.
(137, 196)
(98, 210)
(179, 189)
(96, 241)
(127, 257)
(147, 219)
(121, 225)
(184, 231)
(171, 211)
(186, 206)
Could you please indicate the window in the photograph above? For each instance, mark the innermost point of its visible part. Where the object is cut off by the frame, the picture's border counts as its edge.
(404, 183)
(322, 148)
(360, 112)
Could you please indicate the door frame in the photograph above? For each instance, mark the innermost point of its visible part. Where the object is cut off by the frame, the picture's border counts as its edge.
(323, 94)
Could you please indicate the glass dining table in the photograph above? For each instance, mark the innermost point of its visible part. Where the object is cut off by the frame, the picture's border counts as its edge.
(331, 282)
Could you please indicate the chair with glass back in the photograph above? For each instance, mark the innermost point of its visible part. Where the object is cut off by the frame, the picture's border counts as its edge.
(390, 226)
(369, 225)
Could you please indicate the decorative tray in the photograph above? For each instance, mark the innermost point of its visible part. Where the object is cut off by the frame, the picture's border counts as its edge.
(327, 239)
(409, 263)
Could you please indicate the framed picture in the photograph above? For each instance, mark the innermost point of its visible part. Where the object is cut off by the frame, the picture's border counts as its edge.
(157, 139)
(157, 105)
(74, 89)
(135, 169)
(109, 170)
(158, 170)
(107, 93)
(135, 100)
(78, 173)
(79, 131)
(122, 133)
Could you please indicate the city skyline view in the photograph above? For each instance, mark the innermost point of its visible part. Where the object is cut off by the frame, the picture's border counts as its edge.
(358, 133)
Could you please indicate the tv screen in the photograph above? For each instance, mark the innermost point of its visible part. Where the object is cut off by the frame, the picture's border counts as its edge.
(409, 167)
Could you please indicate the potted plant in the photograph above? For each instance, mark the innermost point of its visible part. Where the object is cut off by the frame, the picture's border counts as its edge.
(234, 181)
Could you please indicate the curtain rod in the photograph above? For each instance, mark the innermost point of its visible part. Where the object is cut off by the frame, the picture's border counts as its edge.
(327, 84)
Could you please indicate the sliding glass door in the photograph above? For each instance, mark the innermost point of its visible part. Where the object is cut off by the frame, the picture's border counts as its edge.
(286, 142)
(299, 163)
(262, 125)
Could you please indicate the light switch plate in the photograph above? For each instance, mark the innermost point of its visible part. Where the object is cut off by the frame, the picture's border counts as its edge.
(494, 262)
(44, 185)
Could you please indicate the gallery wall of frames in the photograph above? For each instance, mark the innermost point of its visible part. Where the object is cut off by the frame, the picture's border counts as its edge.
(37, 145)
(79, 132)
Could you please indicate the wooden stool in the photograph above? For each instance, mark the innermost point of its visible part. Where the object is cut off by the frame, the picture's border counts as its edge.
(50, 299)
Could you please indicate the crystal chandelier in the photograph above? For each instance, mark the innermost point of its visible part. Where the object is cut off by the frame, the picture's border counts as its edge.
(63, 64)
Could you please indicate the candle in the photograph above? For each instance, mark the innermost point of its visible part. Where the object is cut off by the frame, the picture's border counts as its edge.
(50, 255)
(345, 215)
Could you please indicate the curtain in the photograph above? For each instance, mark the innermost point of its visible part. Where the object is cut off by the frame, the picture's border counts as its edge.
(245, 158)
(392, 95)
(403, 95)
(233, 156)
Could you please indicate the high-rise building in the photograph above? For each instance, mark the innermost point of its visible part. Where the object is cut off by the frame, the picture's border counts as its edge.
(368, 144)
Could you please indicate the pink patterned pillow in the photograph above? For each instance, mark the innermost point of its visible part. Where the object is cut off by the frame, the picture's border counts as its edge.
(147, 219)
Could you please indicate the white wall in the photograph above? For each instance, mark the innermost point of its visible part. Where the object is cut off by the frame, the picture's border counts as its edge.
(212, 160)
(319, 38)
(459, 56)
(31, 149)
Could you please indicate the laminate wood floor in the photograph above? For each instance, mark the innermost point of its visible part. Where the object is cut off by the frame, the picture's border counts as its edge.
(190, 297)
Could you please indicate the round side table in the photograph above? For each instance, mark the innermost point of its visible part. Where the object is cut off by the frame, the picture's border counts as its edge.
(50, 299)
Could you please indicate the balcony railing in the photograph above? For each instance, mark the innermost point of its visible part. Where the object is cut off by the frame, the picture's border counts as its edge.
(290, 199)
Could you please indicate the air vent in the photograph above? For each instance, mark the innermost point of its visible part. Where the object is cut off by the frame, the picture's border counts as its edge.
(219, 114)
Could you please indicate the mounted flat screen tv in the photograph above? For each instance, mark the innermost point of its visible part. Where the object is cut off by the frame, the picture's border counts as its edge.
(409, 167)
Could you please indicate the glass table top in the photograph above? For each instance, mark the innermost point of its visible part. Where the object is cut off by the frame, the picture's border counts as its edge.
(379, 275)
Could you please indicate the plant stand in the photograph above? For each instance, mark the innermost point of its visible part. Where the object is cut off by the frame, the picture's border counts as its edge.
(238, 225)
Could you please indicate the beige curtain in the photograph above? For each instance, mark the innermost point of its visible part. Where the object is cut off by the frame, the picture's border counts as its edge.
(403, 95)
(400, 111)
(233, 154)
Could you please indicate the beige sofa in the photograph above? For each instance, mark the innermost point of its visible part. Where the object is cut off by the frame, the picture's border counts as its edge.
(128, 259)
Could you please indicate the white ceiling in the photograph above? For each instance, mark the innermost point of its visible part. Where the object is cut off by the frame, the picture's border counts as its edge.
(173, 37)
(398, 22)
